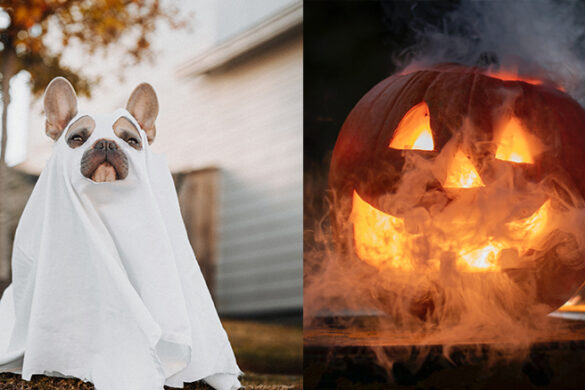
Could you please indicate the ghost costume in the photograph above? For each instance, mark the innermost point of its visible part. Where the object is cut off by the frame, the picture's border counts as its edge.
(105, 284)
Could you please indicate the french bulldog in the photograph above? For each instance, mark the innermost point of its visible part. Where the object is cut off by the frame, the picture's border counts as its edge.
(105, 160)
(102, 270)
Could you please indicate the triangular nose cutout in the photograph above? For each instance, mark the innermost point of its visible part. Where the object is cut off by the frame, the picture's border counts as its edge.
(513, 144)
(461, 173)
(414, 130)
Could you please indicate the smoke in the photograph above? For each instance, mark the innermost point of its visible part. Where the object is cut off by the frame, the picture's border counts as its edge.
(542, 38)
(432, 299)
(427, 269)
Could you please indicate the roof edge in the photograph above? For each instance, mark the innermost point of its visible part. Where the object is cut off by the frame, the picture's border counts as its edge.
(270, 29)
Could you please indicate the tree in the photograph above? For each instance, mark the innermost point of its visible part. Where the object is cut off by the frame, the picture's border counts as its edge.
(34, 33)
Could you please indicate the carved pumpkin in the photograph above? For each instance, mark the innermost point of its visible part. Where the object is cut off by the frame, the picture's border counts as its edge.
(454, 168)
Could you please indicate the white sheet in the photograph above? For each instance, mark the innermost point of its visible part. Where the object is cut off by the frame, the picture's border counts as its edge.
(105, 284)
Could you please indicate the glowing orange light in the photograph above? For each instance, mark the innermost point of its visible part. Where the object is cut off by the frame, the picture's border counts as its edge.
(380, 239)
(575, 304)
(480, 259)
(461, 173)
(414, 130)
(531, 228)
(513, 143)
(513, 76)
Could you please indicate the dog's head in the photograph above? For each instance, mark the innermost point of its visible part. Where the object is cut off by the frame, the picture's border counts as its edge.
(103, 159)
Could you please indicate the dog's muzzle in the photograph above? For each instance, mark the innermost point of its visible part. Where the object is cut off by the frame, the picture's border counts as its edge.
(104, 162)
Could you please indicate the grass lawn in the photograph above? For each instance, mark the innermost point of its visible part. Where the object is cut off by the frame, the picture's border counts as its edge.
(270, 356)
(266, 348)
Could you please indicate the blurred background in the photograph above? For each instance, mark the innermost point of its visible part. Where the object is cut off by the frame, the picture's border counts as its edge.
(228, 76)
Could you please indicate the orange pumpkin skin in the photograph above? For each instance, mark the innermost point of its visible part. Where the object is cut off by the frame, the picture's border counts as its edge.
(363, 162)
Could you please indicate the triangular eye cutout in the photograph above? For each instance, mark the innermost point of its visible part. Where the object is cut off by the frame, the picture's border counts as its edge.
(461, 173)
(513, 144)
(414, 130)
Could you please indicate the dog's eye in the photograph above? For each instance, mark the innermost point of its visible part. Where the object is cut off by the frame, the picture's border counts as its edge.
(134, 142)
(131, 139)
(75, 140)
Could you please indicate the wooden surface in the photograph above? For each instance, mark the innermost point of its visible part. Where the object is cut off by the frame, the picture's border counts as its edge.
(337, 357)
(368, 333)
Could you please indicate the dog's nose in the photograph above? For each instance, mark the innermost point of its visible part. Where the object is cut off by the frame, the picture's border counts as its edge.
(106, 144)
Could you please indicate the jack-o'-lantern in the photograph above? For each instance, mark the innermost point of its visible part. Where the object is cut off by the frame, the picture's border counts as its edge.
(453, 168)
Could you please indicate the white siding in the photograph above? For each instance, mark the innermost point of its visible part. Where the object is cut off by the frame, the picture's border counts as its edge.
(247, 120)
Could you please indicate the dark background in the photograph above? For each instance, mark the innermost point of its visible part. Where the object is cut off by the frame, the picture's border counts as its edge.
(350, 46)
(344, 56)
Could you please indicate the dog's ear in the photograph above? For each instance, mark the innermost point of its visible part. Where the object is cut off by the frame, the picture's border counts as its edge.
(60, 104)
(143, 105)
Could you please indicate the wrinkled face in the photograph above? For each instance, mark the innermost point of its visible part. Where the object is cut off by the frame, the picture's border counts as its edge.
(104, 158)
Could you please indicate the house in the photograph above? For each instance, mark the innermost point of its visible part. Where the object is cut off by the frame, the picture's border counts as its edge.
(242, 113)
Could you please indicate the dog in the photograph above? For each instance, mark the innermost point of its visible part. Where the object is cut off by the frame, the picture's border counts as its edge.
(106, 287)
(105, 161)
